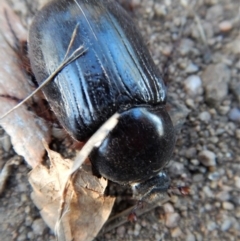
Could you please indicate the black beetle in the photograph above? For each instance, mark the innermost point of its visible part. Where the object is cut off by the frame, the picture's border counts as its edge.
(115, 74)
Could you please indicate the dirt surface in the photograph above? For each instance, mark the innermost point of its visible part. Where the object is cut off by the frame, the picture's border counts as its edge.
(203, 77)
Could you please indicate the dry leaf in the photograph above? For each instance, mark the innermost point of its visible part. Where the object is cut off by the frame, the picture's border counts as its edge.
(86, 209)
(23, 126)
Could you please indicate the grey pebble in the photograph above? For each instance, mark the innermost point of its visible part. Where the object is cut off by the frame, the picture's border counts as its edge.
(39, 226)
(237, 133)
(227, 206)
(205, 116)
(198, 177)
(211, 225)
(192, 84)
(176, 232)
(223, 196)
(168, 208)
(235, 88)
(234, 114)
(208, 192)
(171, 220)
(223, 110)
(22, 237)
(214, 176)
(191, 152)
(195, 162)
(214, 12)
(234, 46)
(5, 142)
(121, 231)
(176, 167)
(191, 68)
(185, 46)
(207, 158)
(215, 82)
(160, 10)
(198, 236)
(137, 229)
(237, 182)
(190, 236)
(30, 235)
(226, 224)
(28, 221)
(190, 103)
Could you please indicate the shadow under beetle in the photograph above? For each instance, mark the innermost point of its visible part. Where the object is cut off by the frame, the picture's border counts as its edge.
(115, 74)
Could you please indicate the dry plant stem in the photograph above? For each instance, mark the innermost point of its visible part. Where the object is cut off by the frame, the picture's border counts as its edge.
(6, 171)
(77, 53)
(121, 218)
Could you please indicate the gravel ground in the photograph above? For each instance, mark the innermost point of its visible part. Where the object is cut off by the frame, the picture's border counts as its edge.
(203, 76)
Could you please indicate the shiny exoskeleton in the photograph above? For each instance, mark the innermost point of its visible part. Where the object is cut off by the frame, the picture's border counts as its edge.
(115, 74)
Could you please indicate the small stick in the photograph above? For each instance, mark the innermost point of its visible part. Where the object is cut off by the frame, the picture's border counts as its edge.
(76, 54)
(121, 218)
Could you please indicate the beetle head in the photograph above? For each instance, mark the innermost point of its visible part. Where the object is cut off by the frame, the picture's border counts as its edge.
(137, 149)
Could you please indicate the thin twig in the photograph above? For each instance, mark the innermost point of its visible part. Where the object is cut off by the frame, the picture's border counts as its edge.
(121, 218)
(76, 54)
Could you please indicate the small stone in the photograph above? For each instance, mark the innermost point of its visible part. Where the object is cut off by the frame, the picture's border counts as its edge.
(190, 103)
(5, 142)
(171, 220)
(190, 153)
(190, 237)
(30, 236)
(223, 110)
(191, 68)
(24, 197)
(215, 82)
(234, 115)
(211, 225)
(192, 84)
(237, 182)
(234, 46)
(186, 46)
(226, 225)
(22, 237)
(208, 207)
(168, 208)
(177, 168)
(160, 10)
(121, 231)
(225, 26)
(214, 12)
(228, 206)
(205, 116)
(195, 162)
(223, 196)
(208, 192)
(176, 232)
(39, 226)
(137, 229)
(237, 133)
(28, 221)
(207, 158)
(27, 209)
(198, 236)
(198, 178)
(214, 176)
